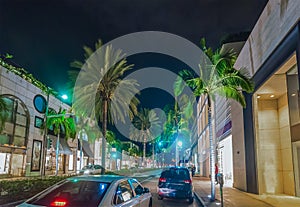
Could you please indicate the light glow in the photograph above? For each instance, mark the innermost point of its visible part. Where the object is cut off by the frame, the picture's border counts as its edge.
(59, 202)
(65, 97)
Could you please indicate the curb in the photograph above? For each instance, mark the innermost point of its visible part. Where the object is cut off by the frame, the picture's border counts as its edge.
(199, 199)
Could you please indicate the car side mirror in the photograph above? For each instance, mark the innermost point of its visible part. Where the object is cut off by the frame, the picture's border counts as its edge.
(146, 190)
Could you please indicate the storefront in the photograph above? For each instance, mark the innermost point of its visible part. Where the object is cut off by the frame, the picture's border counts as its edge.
(21, 139)
(277, 127)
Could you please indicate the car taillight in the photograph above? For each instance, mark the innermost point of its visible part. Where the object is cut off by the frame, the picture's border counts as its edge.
(59, 202)
(162, 180)
(188, 181)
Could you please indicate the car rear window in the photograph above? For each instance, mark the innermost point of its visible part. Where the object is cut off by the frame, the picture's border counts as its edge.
(73, 193)
(176, 173)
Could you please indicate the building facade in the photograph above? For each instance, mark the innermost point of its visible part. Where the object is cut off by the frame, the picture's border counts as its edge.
(258, 148)
(266, 135)
(22, 139)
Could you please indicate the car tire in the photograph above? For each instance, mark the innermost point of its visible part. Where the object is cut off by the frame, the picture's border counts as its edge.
(191, 200)
(160, 197)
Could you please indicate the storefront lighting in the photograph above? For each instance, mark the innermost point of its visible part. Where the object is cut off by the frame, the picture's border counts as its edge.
(293, 94)
(272, 96)
(258, 96)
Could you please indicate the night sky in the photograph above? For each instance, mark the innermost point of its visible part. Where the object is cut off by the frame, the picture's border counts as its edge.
(45, 36)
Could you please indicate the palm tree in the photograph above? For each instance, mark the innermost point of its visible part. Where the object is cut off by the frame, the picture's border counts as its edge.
(180, 117)
(218, 78)
(146, 126)
(60, 124)
(112, 93)
(84, 125)
(3, 112)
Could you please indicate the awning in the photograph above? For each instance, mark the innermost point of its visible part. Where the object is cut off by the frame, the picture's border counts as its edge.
(86, 148)
(63, 146)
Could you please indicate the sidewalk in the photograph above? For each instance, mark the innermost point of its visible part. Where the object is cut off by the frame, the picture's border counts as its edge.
(236, 198)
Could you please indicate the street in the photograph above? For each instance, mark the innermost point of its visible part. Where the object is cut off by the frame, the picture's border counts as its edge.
(151, 183)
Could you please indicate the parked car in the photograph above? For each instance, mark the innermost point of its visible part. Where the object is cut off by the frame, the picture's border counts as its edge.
(175, 182)
(92, 170)
(93, 190)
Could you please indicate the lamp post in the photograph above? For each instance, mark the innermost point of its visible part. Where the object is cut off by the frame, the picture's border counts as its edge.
(45, 134)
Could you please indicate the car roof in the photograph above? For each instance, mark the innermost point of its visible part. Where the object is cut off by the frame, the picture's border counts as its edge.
(98, 178)
(177, 167)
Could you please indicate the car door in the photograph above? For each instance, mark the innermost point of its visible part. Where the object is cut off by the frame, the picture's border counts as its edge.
(124, 196)
(139, 191)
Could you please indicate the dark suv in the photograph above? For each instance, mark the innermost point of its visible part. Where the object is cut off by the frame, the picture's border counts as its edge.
(175, 182)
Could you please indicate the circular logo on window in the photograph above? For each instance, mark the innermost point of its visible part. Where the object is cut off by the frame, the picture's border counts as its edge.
(39, 103)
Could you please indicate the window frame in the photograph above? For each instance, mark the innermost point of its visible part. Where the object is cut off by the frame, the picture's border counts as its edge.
(117, 189)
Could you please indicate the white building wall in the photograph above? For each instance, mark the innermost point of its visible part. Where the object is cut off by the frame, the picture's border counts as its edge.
(13, 84)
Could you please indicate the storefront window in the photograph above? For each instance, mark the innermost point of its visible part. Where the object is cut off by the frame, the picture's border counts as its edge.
(17, 123)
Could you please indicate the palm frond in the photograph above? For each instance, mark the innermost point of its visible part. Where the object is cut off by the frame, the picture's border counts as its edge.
(230, 92)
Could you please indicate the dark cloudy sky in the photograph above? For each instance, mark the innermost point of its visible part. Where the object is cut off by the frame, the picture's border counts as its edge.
(45, 36)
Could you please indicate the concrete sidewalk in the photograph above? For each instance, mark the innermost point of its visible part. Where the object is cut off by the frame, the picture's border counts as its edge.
(236, 198)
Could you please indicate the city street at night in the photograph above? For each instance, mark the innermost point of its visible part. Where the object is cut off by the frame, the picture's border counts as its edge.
(153, 103)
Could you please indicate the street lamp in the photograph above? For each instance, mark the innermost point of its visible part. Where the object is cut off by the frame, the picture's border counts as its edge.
(178, 146)
(64, 96)
(45, 130)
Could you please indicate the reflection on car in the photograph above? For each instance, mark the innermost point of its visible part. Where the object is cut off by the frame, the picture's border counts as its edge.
(93, 190)
(92, 170)
(175, 182)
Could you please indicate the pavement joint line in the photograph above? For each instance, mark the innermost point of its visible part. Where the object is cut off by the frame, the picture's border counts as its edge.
(199, 199)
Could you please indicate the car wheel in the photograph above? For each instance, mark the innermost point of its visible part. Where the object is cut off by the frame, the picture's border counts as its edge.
(160, 197)
(191, 200)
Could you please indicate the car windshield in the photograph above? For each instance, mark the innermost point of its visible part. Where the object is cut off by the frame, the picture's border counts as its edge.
(73, 193)
(176, 174)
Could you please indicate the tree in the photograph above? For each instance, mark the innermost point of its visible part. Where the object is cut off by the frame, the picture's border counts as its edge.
(145, 127)
(61, 124)
(112, 93)
(218, 78)
(3, 113)
(86, 126)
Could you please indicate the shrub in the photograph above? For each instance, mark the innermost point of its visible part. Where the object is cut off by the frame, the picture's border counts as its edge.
(14, 190)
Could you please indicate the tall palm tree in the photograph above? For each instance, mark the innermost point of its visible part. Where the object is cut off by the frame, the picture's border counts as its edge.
(112, 92)
(3, 113)
(218, 78)
(60, 124)
(146, 126)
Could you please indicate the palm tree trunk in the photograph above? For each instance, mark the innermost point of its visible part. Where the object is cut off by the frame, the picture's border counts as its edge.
(104, 128)
(212, 153)
(56, 155)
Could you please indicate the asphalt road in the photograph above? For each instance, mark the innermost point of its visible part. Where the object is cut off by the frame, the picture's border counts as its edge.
(149, 180)
(151, 183)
